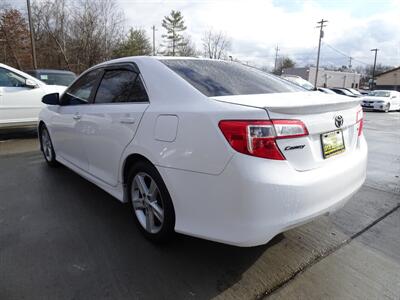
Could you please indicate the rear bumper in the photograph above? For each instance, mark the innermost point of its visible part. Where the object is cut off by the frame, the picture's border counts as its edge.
(254, 199)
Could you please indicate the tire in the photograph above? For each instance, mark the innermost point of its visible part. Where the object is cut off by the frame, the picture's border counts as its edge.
(151, 203)
(46, 146)
(387, 108)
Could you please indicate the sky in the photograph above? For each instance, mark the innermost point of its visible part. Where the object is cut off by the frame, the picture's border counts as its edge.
(257, 27)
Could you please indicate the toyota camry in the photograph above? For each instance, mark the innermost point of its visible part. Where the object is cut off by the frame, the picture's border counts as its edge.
(208, 148)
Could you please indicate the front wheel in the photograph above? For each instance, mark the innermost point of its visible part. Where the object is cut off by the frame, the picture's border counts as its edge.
(47, 147)
(387, 108)
(151, 202)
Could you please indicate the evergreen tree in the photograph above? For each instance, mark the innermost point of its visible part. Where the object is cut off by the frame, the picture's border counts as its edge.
(136, 43)
(175, 25)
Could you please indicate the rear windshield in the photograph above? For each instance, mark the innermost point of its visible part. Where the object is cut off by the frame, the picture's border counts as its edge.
(379, 94)
(221, 78)
(56, 78)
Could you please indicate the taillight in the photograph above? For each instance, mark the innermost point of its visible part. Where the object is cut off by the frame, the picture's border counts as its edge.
(258, 138)
(360, 119)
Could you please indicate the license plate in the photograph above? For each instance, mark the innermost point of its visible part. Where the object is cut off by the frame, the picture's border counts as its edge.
(332, 143)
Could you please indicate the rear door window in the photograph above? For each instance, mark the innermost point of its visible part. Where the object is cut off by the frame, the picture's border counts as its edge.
(118, 86)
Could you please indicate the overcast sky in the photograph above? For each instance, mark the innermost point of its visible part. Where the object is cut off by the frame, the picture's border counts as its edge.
(256, 27)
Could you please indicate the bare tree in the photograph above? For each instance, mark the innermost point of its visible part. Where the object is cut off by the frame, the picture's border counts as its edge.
(188, 48)
(215, 44)
(75, 34)
(14, 34)
(51, 24)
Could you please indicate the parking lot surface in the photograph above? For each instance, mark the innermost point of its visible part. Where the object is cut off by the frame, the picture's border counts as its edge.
(61, 237)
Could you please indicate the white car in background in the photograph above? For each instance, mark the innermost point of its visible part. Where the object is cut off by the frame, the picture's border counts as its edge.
(21, 97)
(299, 81)
(383, 100)
(208, 148)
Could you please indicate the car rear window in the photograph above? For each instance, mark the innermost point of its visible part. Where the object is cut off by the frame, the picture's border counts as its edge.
(222, 78)
(57, 78)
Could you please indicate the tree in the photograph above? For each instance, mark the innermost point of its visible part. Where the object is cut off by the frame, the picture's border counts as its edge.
(51, 24)
(284, 62)
(188, 48)
(175, 25)
(15, 34)
(76, 34)
(136, 43)
(215, 44)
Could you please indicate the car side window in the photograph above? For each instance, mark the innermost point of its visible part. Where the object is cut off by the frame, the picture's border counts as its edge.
(118, 86)
(10, 79)
(80, 91)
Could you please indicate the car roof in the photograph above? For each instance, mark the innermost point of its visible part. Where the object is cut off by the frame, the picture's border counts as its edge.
(54, 71)
(383, 91)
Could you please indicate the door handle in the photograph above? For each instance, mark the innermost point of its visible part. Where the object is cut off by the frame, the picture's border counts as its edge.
(127, 120)
(77, 116)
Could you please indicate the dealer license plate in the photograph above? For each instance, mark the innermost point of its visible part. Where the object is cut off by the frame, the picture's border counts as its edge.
(332, 143)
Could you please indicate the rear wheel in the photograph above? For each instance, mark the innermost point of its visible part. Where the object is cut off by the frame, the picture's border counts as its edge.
(47, 147)
(387, 108)
(151, 202)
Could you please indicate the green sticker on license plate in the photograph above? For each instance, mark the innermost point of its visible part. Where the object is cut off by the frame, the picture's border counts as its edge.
(332, 143)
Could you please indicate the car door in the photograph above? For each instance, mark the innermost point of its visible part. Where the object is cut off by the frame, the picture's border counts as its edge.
(112, 120)
(67, 128)
(18, 102)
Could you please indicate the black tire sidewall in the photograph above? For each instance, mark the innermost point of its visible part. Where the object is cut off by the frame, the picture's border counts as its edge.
(167, 229)
(53, 161)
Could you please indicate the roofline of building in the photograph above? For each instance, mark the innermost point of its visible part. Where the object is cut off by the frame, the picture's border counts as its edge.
(388, 71)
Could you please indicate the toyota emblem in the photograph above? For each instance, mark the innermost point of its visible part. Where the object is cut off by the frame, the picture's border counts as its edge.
(338, 121)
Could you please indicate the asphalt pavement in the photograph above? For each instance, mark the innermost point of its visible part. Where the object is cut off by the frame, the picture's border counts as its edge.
(61, 237)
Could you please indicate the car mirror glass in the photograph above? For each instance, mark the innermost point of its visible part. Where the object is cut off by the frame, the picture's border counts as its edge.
(51, 99)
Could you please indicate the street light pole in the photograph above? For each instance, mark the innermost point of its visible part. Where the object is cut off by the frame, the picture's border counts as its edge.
(321, 35)
(373, 70)
(32, 35)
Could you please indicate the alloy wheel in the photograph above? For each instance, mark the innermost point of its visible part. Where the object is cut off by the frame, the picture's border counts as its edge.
(46, 145)
(147, 202)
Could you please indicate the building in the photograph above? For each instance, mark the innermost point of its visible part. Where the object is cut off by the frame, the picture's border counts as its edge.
(326, 78)
(389, 80)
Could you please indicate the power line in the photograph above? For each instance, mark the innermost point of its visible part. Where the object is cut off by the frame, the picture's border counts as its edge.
(344, 54)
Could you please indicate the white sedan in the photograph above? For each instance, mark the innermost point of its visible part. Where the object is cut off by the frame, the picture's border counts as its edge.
(383, 100)
(208, 148)
(20, 97)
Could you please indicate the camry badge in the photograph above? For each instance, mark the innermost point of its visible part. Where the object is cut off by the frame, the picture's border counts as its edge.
(339, 121)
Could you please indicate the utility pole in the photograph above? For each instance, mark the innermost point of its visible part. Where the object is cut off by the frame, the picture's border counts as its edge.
(276, 57)
(373, 70)
(321, 35)
(154, 39)
(350, 59)
(32, 35)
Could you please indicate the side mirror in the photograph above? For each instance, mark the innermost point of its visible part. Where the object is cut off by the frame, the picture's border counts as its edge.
(51, 99)
(30, 83)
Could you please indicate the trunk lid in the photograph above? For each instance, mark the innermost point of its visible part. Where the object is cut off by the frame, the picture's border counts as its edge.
(318, 112)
